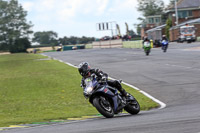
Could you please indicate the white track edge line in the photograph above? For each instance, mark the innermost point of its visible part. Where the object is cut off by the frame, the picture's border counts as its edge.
(162, 105)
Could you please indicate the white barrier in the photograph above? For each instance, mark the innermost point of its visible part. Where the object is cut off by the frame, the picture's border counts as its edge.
(108, 44)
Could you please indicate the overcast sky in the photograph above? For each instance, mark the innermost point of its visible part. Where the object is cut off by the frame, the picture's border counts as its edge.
(79, 17)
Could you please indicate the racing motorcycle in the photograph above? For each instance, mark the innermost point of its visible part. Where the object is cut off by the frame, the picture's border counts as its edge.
(107, 100)
(147, 47)
(164, 45)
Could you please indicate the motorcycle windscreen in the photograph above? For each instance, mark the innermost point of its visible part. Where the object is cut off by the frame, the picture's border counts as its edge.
(90, 84)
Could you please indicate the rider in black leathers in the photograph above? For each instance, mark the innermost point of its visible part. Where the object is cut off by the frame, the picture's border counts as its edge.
(164, 38)
(85, 71)
(146, 39)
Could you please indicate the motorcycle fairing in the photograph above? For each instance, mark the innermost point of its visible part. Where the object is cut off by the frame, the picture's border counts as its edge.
(109, 94)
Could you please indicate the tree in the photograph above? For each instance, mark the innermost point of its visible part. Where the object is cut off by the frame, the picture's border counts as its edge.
(85, 40)
(48, 38)
(132, 33)
(63, 41)
(172, 2)
(75, 40)
(150, 7)
(13, 24)
(20, 45)
(168, 26)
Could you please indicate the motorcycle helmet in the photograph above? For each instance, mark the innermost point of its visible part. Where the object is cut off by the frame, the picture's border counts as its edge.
(84, 69)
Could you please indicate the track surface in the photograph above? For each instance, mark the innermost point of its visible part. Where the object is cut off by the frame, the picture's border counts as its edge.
(172, 77)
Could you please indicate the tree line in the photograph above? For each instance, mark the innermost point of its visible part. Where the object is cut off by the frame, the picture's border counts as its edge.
(14, 29)
(50, 38)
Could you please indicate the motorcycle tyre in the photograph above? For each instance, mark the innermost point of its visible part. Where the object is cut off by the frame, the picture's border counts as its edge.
(165, 50)
(130, 109)
(100, 109)
(147, 52)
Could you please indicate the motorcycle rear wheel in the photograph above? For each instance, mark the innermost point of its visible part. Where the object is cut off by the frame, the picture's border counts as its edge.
(147, 52)
(103, 106)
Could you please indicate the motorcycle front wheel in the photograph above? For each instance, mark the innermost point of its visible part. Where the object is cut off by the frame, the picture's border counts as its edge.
(133, 107)
(104, 107)
(164, 49)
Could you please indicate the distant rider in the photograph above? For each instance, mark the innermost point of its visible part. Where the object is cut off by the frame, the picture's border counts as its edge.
(146, 39)
(164, 38)
(85, 71)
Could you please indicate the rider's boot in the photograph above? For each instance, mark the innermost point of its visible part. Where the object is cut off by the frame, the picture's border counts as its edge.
(125, 95)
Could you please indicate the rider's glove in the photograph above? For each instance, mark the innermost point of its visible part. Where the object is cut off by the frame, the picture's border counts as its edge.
(81, 85)
(85, 95)
(104, 78)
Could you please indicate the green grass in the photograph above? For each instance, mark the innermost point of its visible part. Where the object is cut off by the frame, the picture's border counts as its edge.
(50, 51)
(132, 44)
(33, 90)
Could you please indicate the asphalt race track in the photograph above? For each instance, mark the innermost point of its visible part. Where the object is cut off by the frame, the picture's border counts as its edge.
(172, 77)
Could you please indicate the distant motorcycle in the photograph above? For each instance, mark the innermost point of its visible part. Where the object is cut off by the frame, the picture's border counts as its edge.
(147, 47)
(164, 45)
(107, 100)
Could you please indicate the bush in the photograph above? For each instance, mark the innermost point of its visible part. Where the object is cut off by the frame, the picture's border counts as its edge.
(20, 45)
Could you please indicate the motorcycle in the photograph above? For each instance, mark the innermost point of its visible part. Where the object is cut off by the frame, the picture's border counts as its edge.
(164, 45)
(147, 47)
(107, 100)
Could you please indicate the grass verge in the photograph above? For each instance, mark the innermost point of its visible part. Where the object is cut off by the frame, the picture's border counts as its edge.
(35, 89)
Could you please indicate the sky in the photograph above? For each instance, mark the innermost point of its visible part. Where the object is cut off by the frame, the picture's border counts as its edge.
(80, 17)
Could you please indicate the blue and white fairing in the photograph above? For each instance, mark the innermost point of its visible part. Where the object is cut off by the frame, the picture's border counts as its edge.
(164, 42)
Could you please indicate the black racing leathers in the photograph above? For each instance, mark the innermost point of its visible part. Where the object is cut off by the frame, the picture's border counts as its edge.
(113, 83)
(145, 40)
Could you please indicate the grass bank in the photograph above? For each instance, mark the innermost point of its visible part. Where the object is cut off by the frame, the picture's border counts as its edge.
(36, 89)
